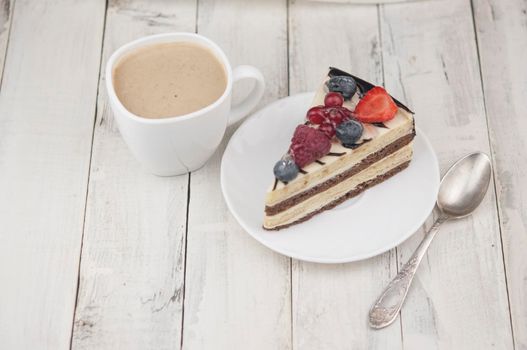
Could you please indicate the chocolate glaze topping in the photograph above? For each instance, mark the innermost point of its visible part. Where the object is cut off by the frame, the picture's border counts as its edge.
(356, 145)
(363, 85)
(275, 184)
(380, 125)
(335, 154)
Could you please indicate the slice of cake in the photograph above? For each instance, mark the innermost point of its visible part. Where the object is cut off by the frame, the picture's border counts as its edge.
(354, 137)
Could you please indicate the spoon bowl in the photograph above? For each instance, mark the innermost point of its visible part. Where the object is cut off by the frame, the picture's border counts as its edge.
(464, 185)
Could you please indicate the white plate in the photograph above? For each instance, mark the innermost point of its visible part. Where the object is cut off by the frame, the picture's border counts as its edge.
(370, 224)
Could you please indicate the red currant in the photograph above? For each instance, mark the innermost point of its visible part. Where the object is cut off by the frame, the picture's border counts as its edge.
(327, 129)
(316, 115)
(333, 99)
(346, 112)
(335, 115)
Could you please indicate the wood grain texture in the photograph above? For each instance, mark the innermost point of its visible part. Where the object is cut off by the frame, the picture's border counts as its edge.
(502, 37)
(131, 277)
(458, 299)
(331, 302)
(135, 254)
(237, 292)
(6, 12)
(47, 109)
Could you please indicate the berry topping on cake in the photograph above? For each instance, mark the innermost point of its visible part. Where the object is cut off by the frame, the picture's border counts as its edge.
(308, 144)
(337, 115)
(376, 106)
(285, 169)
(328, 117)
(349, 132)
(350, 124)
(316, 115)
(343, 84)
(333, 99)
(328, 129)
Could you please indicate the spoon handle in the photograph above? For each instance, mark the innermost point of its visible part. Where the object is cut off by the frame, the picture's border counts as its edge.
(387, 306)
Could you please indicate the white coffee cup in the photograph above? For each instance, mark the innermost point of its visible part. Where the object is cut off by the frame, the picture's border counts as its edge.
(177, 145)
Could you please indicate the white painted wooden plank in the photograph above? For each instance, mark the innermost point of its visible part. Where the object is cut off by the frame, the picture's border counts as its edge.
(47, 108)
(502, 36)
(131, 280)
(237, 292)
(331, 302)
(458, 299)
(6, 11)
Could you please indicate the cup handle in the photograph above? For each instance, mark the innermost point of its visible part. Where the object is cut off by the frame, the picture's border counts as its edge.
(243, 108)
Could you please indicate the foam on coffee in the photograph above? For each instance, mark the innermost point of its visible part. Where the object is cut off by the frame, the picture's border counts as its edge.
(169, 79)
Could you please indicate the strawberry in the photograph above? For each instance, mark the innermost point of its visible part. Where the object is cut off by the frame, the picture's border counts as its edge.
(376, 106)
(308, 144)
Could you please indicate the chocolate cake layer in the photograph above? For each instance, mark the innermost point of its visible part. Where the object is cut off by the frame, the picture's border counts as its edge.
(356, 191)
(366, 162)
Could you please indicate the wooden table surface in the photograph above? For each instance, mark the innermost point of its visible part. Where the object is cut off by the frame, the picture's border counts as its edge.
(97, 254)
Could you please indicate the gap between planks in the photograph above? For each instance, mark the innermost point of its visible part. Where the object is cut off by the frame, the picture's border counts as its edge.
(9, 18)
(182, 339)
(106, 48)
(88, 180)
(494, 171)
(185, 257)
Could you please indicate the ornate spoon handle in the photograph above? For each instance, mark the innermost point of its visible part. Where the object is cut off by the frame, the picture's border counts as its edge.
(387, 306)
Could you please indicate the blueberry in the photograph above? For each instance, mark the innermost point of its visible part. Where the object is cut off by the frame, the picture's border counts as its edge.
(285, 169)
(349, 132)
(343, 84)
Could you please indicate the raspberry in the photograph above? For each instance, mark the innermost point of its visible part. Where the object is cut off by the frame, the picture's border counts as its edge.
(308, 144)
(301, 155)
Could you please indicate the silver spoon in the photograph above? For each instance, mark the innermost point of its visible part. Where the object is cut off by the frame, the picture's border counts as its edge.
(461, 191)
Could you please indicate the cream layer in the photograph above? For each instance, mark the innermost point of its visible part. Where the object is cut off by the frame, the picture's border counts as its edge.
(317, 173)
(317, 201)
